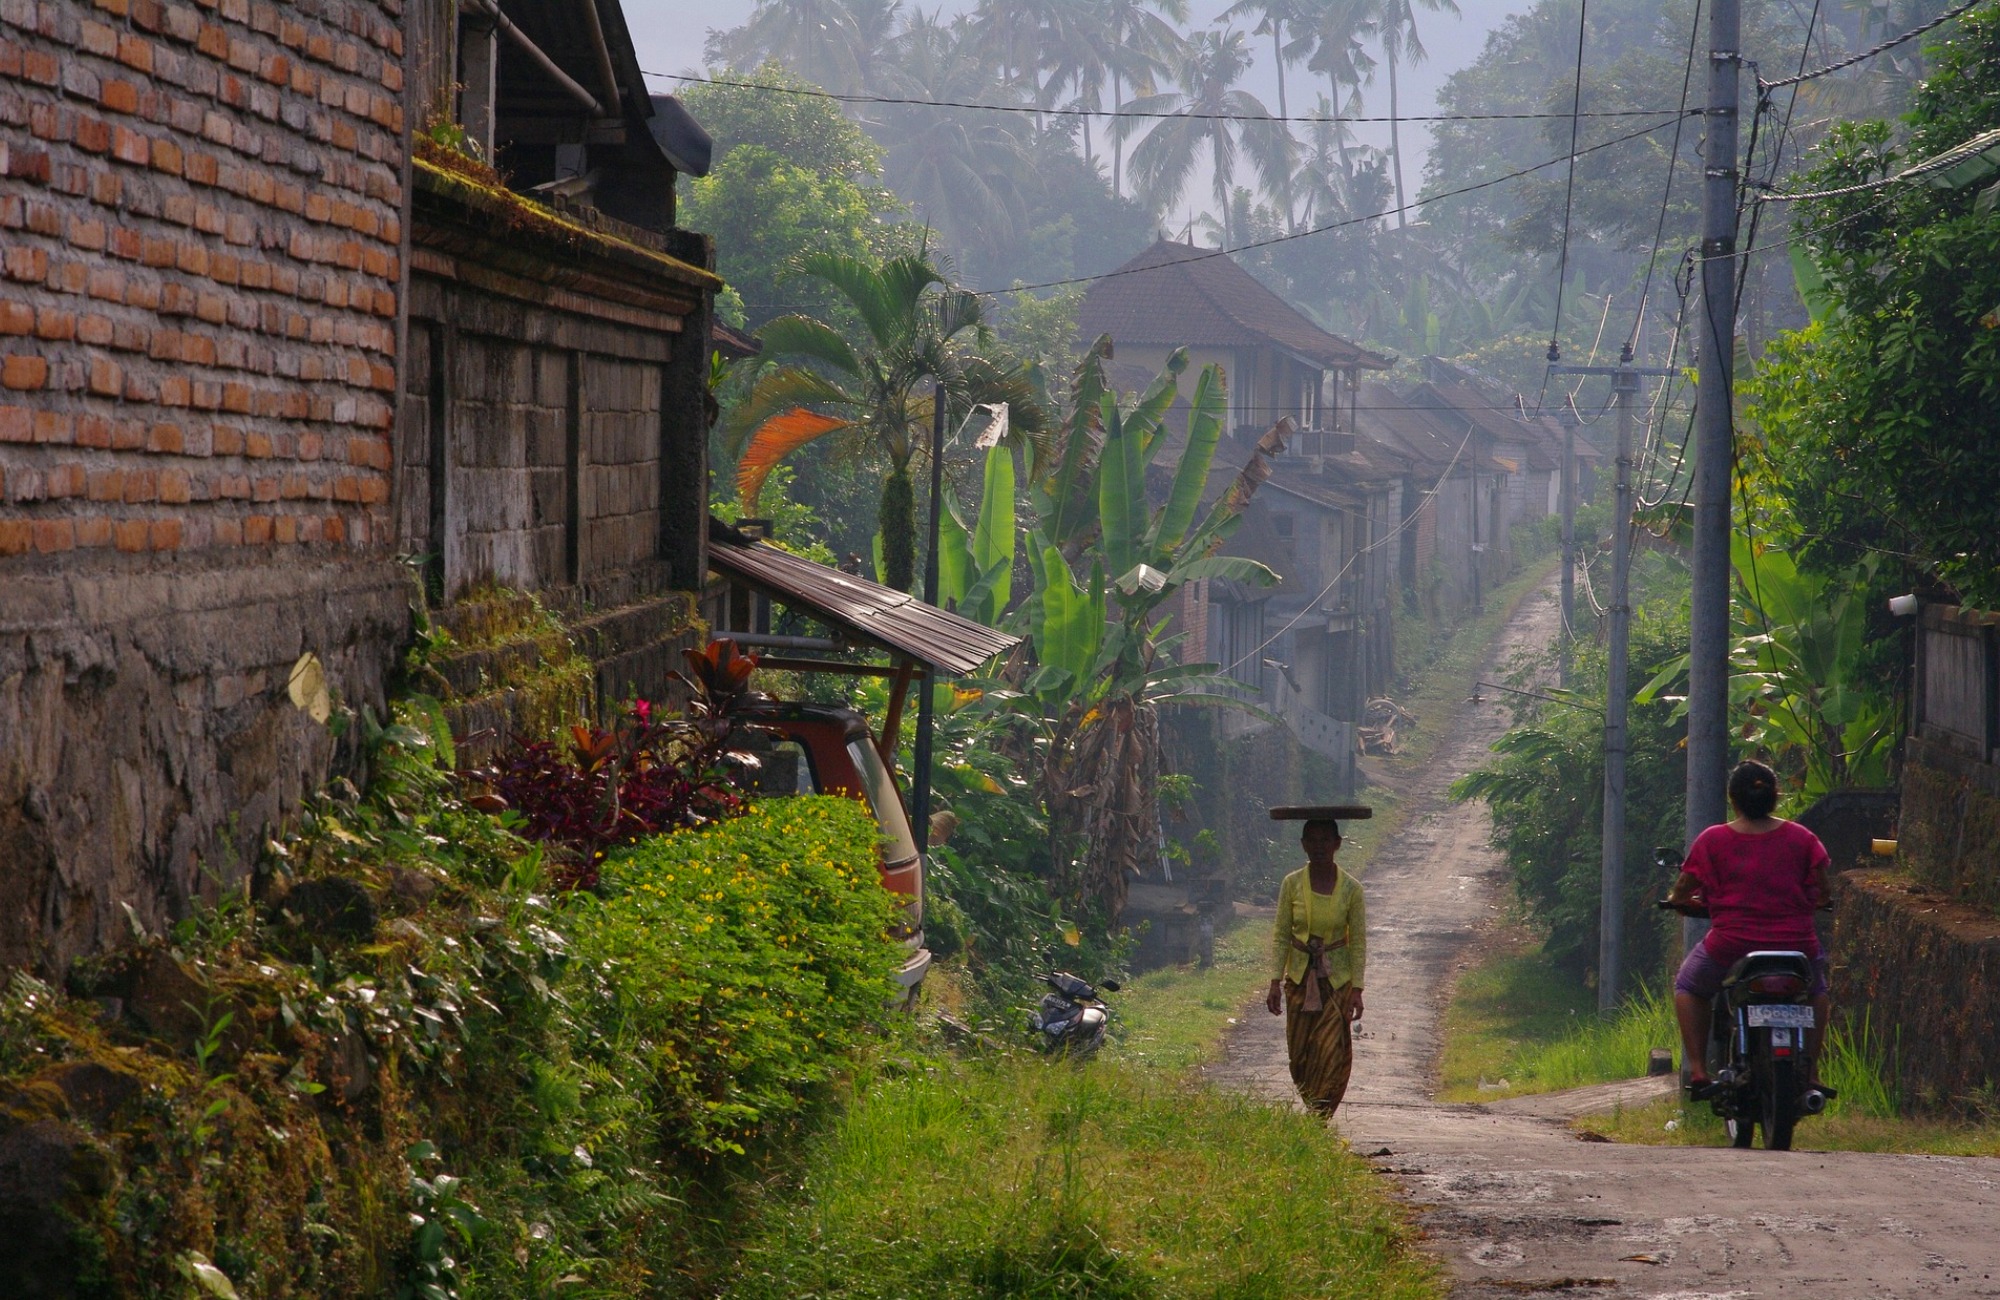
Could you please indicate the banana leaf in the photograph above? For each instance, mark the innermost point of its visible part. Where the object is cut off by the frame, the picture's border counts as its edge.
(1121, 495)
(993, 535)
(1205, 419)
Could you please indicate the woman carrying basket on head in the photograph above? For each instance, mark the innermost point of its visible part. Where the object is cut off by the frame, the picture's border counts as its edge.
(1319, 951)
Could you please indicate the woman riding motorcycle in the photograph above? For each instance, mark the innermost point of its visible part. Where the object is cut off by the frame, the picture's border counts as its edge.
(1761, 878)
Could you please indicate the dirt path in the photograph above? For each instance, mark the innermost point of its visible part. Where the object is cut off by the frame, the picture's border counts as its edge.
(1513, 1203)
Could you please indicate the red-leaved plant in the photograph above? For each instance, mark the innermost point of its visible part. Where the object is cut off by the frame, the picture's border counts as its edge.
(648, 774)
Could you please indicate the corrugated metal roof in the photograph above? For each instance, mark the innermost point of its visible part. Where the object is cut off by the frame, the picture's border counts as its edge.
(867, 611)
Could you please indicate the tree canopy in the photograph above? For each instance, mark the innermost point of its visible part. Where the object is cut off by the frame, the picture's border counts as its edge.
(1882, 411)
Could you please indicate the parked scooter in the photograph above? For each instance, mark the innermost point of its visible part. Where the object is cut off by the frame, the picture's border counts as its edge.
(1072, 1018)
(1757, 1045)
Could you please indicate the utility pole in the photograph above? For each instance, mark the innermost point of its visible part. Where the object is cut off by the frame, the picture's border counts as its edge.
(1617, 688)
(1714, 448)
(1617, 700)
(920, 779)
(1569, 549)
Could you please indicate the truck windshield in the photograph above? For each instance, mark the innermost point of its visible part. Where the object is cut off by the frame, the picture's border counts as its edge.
(888, 804)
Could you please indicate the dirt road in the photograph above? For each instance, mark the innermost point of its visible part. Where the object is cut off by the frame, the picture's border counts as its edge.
(1513, 1203)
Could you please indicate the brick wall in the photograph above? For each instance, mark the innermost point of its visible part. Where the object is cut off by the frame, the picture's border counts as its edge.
(201, 217)
(202, 254)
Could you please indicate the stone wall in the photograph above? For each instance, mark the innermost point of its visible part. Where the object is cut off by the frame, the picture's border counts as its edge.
(1948, 833)
(201, 219)
(1923, 971)
(554, 404)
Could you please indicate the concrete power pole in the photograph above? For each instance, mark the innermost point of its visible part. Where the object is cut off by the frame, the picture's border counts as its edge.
(1617, 698)
(1617, 689)
(1714, 449)
(1569, 549)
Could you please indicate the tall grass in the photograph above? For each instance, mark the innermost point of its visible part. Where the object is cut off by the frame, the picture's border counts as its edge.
(1011, 1177)
(1598, 1051)
(1854, 1061)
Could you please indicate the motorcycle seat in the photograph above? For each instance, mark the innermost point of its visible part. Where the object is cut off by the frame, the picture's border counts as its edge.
(1769, 962)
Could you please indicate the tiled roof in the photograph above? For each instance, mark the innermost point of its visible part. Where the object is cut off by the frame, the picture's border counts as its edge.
(1176, 295)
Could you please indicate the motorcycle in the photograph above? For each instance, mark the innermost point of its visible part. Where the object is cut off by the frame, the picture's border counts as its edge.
(1072, 1018)
(1756, 1057)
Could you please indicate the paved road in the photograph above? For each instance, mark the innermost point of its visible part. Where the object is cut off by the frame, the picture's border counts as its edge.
(1515, 1204)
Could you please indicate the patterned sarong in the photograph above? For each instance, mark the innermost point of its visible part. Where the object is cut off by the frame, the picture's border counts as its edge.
(1319, 1042)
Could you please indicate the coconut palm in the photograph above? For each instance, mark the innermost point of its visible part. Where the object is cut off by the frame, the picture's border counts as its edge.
(1273, 17)
(1147, 42)
(966, 172)
(1396, 26)
(1212, 115)
(1333, 44)
(833, 43)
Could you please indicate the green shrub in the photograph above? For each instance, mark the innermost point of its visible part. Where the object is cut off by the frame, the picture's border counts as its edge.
(741, 961)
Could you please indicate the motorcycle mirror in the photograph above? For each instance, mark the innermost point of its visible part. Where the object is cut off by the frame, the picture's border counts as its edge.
(1110, 986)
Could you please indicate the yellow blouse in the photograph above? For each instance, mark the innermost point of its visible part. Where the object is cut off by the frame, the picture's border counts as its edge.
(1339, 916)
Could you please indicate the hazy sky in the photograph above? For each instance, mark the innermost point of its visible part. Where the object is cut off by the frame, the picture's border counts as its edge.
(670, 35)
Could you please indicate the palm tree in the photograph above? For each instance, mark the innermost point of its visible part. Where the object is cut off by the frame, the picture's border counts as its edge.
(964, 171)
(1396, 25)
(1273, 16)
(1335, 32)
(833, 43)
(1210, 114)
(1322, 182)
(1146, 42)
(914, 321)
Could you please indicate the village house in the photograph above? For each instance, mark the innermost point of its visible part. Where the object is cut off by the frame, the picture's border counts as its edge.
(269, 324)
(1313, 648)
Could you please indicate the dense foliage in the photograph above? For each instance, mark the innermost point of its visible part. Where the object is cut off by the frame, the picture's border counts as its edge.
(741, 962)
(1546, 792)
(408, 1070)
(1882, 411)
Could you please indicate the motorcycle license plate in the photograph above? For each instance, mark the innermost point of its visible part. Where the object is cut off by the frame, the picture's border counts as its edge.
(1781, 1016)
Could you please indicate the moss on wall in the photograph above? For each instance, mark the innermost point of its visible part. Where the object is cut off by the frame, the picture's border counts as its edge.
(1925, 971)
(1949, 835)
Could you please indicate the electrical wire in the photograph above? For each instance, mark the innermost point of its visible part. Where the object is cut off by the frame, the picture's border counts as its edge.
(1569, 193)
(1134, 114)
(1667, 191)
(1411, 205)
(1423, 500)
(1912, 34)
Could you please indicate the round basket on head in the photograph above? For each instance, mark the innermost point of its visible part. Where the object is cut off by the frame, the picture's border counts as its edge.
(1322, 812)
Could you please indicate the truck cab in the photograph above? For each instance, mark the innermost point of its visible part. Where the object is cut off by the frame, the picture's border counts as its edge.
(826, 749)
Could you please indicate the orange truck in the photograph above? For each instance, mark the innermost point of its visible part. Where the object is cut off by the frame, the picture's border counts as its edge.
(826, 749)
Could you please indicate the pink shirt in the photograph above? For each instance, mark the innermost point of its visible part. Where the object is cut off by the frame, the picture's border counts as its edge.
(1757, 888)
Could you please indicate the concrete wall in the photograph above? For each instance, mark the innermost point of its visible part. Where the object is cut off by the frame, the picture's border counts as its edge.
(201, 220)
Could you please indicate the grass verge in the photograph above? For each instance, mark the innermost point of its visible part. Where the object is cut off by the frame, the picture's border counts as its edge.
(1515, 1027)
(1010, 1177)
(1174, 1018)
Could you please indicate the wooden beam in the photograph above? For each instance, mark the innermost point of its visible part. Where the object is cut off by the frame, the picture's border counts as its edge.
(892, 723)
(827, 666)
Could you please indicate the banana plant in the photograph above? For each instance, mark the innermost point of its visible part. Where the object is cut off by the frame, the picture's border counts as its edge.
(1794, 679)
(1104, 562)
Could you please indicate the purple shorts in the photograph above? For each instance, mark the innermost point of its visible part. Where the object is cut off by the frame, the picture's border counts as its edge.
(1701, 975)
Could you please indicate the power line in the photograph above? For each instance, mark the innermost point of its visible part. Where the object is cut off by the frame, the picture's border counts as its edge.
(1569, 192)
(1332, 225)
(1360, 551)
(1912, 34)
(1136, 114)
(1667, 191)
